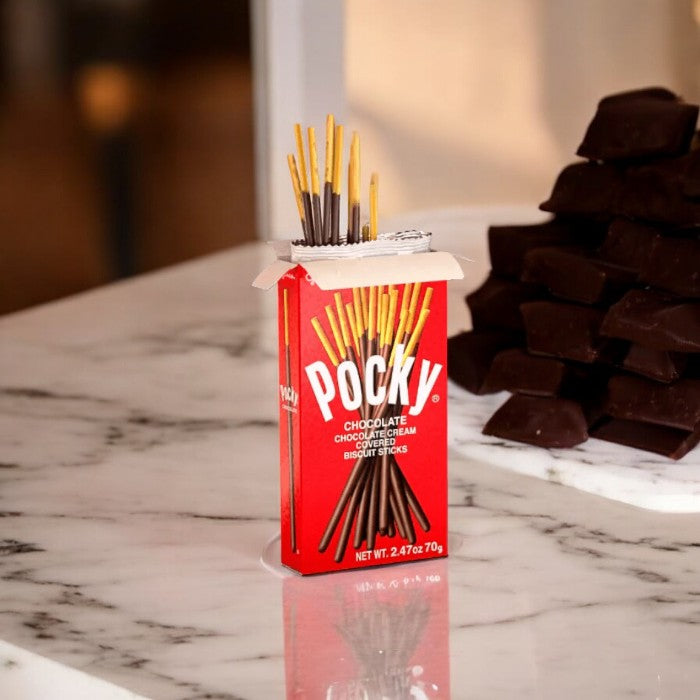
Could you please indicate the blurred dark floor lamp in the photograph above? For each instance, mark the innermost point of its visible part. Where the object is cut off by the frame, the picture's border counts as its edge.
(107, 94)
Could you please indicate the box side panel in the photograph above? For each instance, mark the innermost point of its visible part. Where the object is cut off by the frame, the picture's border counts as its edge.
(289, 419)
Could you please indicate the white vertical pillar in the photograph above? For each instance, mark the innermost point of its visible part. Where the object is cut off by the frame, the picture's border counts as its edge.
(298, 76)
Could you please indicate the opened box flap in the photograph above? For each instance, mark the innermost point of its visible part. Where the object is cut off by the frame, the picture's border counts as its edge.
(368, 271)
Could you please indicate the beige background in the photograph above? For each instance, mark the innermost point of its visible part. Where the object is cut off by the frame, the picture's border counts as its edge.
(483, 101)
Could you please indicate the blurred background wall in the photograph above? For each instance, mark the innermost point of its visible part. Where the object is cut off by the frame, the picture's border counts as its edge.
(126, 139)
(476, 101)
(127, 127)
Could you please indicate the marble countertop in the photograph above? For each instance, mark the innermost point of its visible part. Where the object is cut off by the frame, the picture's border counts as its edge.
(138, 493)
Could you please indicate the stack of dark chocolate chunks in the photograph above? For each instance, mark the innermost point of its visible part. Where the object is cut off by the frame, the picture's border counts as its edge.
(592, 320)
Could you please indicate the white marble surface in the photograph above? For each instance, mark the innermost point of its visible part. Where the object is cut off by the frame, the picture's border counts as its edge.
(28, 675)
(138, 490)
(624, 474)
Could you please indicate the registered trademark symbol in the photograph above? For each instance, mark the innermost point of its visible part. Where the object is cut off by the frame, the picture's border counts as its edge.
(435, 398)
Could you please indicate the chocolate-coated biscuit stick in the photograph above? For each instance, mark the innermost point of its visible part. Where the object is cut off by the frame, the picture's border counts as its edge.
(347, 340)
(365, 306)
(409, 351)
(395, 515)
(391, 317)
(353, 504)
(384, 493)
(357, 335)
(372, 319)
(356, 200)
(324, 341)
(360, 320)
(416, 334)
(373, 507)
(427, 296)
(402, 507)
(349, 238)
(298, 195)
(410, 341)
(339, 344)
(347, 331)
(413, 303)
(306, 198)
(355, 352)
(356, 472)
(320, 210)
(344, 351)
(383, 313)
(359, 315)
(403, 333)
(335, 198)
(328, 180)
(363, 508)
(412, 501)
(315, 188)
(354, 333)
(354, 190)
(378, 314)
(399, 335)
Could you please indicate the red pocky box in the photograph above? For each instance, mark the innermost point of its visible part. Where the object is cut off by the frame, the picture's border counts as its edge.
(363, 410)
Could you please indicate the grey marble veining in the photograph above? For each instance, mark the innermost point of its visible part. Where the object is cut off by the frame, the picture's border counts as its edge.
(138, 468)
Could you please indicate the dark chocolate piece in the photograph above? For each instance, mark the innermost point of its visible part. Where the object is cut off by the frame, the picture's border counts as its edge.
(563, 330)
(588, 189)
(628, 243)
(654, 192)
(496, 304)
(654, 92)
(509, 244)
(515, 371)
(540, 421)
(674, 265)
(654, 321)
(690, 186)
(469, 356)
(587, 384)
(576, 275)
(675, 405)
(692, 369)
(669, 442)
(660, 365)
(639, 124)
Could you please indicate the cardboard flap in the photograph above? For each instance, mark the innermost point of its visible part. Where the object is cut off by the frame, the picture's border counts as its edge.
(272, 274)
(364, 272)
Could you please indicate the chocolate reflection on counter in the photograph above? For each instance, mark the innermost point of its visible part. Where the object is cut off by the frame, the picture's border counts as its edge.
(369, 634)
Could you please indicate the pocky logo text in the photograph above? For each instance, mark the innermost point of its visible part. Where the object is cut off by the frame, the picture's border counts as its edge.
(354, 385)
(289, 395)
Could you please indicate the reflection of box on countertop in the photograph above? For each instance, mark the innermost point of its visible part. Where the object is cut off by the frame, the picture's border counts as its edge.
(363, 408)
(379, 633)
